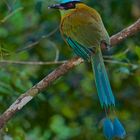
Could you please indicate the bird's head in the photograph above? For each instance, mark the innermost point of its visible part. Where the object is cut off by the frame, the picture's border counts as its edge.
(65, 5)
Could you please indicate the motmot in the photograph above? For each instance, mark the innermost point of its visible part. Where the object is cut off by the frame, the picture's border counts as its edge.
(83, 30)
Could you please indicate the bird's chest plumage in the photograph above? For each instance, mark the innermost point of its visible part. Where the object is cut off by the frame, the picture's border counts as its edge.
(83, 27)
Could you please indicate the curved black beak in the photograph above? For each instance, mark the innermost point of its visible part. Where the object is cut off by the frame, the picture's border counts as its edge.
(55, 6)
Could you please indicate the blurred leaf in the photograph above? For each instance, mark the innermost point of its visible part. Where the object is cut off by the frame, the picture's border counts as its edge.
(3, 32)
(38, 7)
(124, 70)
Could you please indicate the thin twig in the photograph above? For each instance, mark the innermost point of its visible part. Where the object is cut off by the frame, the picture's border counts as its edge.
(8, 6)
(52, 44)
(23, 99)
(34, 63)
(11, 14)
(122, 63)
(38, 63)
(38, 41)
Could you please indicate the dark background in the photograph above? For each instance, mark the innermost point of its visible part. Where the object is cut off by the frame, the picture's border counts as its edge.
(69, 109)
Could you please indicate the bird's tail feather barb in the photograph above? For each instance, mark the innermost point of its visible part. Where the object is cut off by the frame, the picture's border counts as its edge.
(101, 79)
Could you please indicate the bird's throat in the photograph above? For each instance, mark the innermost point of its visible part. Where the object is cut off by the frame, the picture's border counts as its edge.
(66, 12)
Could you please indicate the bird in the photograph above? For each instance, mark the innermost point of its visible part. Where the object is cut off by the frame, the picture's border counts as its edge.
(83, 30)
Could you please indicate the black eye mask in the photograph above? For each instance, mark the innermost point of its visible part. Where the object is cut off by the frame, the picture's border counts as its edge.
(70, 5)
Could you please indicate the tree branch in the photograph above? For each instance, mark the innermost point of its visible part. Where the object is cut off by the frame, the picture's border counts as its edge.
(23, 99)
(34, 63)
(130, 31)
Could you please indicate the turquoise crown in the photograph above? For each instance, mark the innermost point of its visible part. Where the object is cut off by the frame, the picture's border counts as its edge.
(65, 1)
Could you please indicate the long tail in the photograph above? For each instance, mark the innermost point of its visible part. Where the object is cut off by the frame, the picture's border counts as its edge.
(101, 79)
(111, 129)
(106, 97)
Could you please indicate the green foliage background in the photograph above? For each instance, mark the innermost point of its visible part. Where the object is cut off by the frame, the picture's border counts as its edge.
(69, 109)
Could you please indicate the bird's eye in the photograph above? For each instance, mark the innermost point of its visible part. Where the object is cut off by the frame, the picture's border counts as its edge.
(70, 5)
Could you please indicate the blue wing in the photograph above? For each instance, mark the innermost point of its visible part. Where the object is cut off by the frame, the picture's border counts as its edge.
(79, 50)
